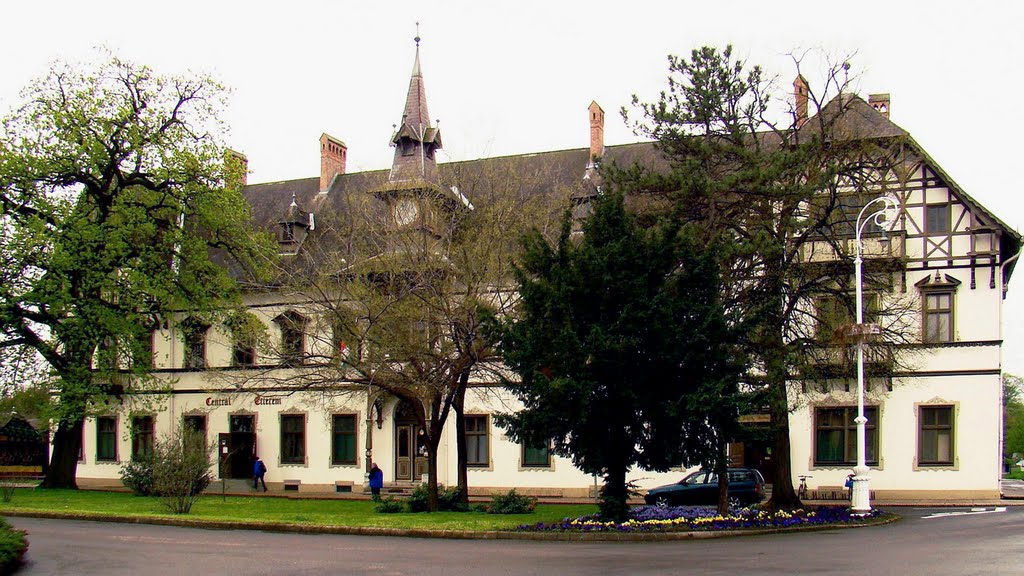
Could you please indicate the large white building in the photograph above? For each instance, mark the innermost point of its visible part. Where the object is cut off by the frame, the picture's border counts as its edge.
(934, 428)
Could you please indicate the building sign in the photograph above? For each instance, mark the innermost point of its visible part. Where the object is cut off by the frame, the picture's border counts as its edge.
(259, 401)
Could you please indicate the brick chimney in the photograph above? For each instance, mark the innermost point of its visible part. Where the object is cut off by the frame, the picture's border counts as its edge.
(596, 132)
(880, 102)
(233, 157)
(800, 93)
(332, 159)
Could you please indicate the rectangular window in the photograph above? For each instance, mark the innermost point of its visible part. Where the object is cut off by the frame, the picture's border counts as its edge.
(938, 316)
(343, 439)
(835, 432)
(536, 456)
(477, 442)
(848, 208)
(197, 424)
(195, 345)
(935, 438)
(293, 439)
(144, 352)
(142, 437)
(293, 339)
(346, 344)
(833, 314)
(243, 355)
(106, 438)
(936, 219)
(838, 311)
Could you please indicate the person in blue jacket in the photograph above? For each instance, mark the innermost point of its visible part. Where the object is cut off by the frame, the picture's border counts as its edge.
(259, 470)
(376, 481)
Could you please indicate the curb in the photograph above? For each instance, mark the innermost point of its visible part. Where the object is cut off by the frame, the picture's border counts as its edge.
(292, 528)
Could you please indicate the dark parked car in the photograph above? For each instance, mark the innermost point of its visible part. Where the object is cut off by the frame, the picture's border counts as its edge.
(701, 487)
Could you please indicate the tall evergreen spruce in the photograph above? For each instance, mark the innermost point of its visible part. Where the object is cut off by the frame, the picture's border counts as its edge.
(618, 336)
(774, 188)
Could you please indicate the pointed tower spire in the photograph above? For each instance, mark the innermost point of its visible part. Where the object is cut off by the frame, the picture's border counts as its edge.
(415, 140)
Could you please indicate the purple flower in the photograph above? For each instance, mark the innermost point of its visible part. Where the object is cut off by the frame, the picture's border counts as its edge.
(684, 518)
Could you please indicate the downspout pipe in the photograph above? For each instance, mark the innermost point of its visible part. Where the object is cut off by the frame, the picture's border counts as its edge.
(1002, 407)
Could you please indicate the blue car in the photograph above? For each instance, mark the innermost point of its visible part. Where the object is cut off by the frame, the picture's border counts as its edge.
(746, 485)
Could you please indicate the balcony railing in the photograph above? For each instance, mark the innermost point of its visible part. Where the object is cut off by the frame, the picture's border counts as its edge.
(893, 246)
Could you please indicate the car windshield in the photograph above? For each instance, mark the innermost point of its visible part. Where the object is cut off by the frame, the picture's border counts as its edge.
(701, 477)
(695, 478)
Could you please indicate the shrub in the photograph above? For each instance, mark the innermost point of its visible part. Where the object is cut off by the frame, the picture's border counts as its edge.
(448, 499)
(390, 505)
(7, 486)
(137, 476)
(181, 469)
(12, 547)
(511, 503)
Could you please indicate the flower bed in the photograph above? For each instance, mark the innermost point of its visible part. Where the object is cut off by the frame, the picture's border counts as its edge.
(689, 518)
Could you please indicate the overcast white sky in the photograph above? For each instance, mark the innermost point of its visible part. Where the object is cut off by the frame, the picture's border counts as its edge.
(516, 77)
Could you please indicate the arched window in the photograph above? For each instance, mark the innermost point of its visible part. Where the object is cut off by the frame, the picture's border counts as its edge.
(293, 337)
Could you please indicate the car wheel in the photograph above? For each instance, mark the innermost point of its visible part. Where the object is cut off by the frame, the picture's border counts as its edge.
(661, 501)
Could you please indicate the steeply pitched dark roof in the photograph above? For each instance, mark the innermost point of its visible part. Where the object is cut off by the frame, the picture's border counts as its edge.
(559, 173)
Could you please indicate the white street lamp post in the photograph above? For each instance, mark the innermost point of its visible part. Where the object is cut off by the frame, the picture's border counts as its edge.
(883, 217)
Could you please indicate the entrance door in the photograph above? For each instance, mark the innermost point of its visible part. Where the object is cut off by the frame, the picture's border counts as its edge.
(755, 454)
(411, 449)
(237, 449)
(404, 453)
(420, 456)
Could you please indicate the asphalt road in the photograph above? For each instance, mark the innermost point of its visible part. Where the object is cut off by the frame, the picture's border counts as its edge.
(950, 543)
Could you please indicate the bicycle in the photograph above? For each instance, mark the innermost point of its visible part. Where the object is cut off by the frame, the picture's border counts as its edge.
(801, 492)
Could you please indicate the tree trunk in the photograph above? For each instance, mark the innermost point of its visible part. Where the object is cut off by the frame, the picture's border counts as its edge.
(722, 470)
(67, 442)
(433, 504)
(459, 405)
(614, 503)
(783, 495)
(614, 499)
(776, 362)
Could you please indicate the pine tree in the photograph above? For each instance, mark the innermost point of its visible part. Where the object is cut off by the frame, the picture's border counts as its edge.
(618, 339)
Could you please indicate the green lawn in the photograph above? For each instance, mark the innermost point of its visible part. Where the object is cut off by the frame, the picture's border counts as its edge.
(264, 509)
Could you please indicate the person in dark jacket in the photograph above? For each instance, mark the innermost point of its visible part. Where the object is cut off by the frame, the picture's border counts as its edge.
(259, 470)
(376, 481)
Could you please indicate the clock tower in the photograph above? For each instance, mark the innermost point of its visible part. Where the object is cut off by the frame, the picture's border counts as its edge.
(414, 190)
